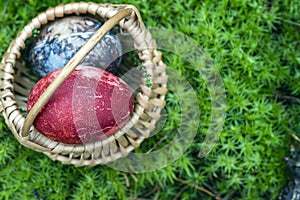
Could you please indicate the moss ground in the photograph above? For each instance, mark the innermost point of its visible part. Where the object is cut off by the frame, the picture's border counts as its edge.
(255, 46)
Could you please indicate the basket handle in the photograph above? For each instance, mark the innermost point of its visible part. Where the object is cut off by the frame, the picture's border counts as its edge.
(70, 66)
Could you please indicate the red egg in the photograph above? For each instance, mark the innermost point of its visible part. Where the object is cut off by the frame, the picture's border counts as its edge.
(89, 105)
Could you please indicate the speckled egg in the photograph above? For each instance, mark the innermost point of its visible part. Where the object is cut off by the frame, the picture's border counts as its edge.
(60, 40)
(89, 105)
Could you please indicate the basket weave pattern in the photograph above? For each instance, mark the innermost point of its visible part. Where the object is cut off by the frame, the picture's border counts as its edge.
(16, 84)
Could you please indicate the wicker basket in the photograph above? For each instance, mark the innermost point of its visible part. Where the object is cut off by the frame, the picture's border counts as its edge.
(16, 85)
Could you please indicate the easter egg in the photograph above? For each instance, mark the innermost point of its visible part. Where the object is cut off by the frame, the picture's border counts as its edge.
(59, 40)
(89, 105)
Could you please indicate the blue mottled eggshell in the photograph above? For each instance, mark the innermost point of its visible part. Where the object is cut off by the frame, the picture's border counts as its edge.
(60, 40)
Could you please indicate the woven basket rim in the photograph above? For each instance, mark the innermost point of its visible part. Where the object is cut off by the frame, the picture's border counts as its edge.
(146, 113)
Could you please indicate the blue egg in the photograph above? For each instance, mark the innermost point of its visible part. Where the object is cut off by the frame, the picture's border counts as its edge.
(60, 40)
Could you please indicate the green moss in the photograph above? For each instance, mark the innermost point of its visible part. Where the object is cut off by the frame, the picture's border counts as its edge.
(255, 46)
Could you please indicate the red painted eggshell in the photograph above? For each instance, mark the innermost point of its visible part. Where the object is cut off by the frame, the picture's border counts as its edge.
(89, 105)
